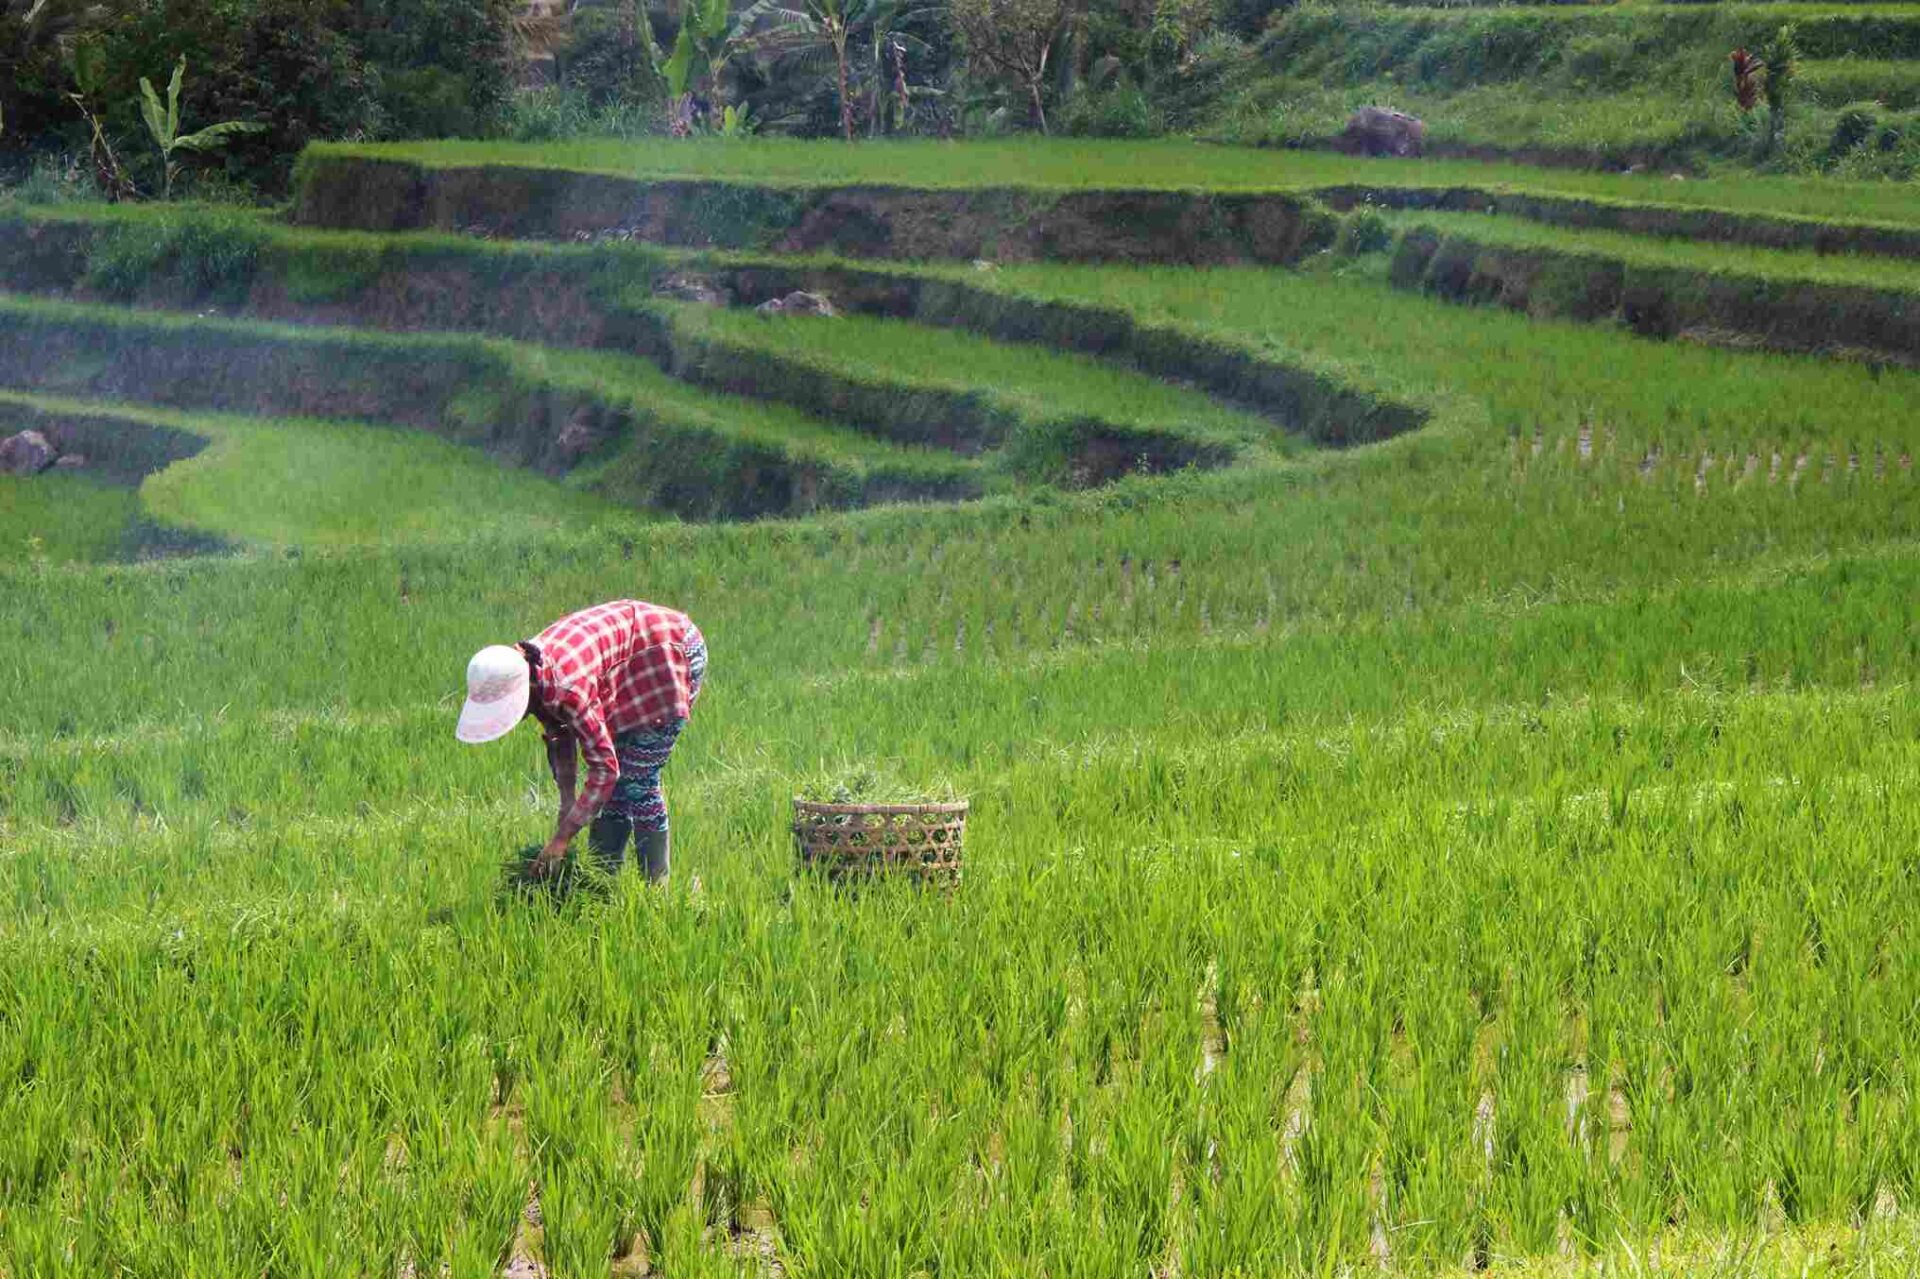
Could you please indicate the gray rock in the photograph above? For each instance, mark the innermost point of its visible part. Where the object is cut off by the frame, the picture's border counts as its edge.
(26, 453)
(1378, 131)
(799, 302)
(693, 288)
(70, 461)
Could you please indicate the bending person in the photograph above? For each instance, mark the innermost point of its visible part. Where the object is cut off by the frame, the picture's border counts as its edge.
(613, 684)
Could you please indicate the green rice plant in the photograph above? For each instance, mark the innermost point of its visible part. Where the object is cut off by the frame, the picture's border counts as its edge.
(61, 518)
(1894, 84)
(1485, 844)
(1060, 163)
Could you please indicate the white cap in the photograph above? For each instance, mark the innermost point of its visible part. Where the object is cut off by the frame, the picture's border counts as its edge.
(496, 694)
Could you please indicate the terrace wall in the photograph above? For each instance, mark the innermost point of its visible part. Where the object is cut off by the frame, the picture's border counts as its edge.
(1011, 224)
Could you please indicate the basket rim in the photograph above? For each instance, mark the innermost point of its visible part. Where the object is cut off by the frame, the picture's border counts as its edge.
(816, 806)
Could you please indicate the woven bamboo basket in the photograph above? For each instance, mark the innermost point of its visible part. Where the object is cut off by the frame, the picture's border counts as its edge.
(862, 841)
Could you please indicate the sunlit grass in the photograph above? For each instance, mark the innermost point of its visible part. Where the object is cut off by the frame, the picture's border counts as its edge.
(1160, 165)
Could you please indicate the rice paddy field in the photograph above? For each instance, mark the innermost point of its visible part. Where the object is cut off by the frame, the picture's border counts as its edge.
(1442, 777)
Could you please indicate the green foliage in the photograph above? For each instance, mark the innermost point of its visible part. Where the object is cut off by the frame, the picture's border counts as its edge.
(163, 125)
(666, 445)
(1782, 58)
(1603, 61)
(1363, 230)
(194, 258)
(610, 60)
(58, 518)
(957, 390)
(1894, 85)
(1013, 41)
(557, 113)
(290, 65)
(51, 180)
(303, 69)
(250, 487)
(708, 37)
(871, 781)
(437, 67)
(1119, 110)
(33, 37)
(1854, 126)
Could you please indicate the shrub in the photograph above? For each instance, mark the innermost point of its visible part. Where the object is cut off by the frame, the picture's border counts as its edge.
(198, 258)
(439, 66)
(1121, 110)
(1602, 60)
(607, 62)
(1854, 126)
(1364, 230)
(1782, 58)
(554, 112)
(53, 180)
(429, 102)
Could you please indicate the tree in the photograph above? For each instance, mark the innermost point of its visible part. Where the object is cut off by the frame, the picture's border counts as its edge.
(606, 51)
(701, 50)
(890, 36)
(1782, 59)
(813, 31)
(163, 125)
(1012, 39)
(34, 35)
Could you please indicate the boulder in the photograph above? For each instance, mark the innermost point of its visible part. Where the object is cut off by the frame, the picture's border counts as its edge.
(799, 302)
(1378, 131)
(71, 461)
(693, 288)
(26, 453)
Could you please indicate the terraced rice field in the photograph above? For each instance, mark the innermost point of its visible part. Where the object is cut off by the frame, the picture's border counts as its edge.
(1442, 775)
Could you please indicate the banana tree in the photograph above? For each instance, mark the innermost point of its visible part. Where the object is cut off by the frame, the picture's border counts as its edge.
(164, 125)
(809, 33)
(708, 39)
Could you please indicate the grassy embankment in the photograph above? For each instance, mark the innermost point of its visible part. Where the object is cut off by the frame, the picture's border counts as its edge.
(645, 438)
(1868, 308)
(1036, 414)
(1165, 165)
(1597, 84)
(269, 483)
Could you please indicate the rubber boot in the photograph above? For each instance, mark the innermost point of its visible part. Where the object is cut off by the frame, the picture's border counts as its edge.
(607, 837)
(653, 847)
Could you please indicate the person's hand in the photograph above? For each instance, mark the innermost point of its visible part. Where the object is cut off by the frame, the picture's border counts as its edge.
(550, 856)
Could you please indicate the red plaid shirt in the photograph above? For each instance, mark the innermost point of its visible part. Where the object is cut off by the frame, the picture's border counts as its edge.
(608, 670)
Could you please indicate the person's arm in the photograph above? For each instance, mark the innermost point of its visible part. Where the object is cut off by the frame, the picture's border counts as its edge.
(595, 744)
